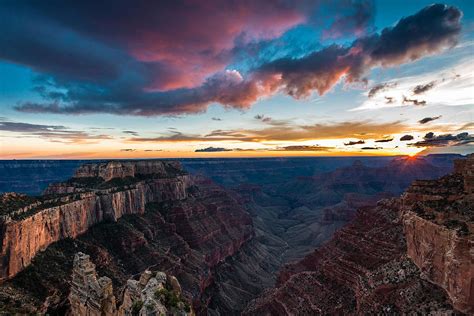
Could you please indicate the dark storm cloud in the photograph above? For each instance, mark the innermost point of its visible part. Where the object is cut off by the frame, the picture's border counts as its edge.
(357, 142)
(357, 21)
(422, 88)
(432, 140)
(428, 119)
(212, 150)
(98, 63)
(428, 31)
(405, 138)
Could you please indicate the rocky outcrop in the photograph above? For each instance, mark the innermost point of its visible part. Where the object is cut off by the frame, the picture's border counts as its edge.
(407, 255)
(123, 169)
(89, 294)
(438, 218)
(31, 229)
(155, 293)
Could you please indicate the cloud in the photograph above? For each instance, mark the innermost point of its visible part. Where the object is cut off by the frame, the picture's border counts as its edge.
(384, 140)
(212, 150)
(133, 133)
(424, 33)
(358, 21)
(432, 140)
(413, 101)
(336, 130)
(371, 148)
(127, 149)
(216, 119)
(153, 150)
(158, 75)
(357, 142)
(263, 118)
(422, 88)
(405, 138)
(380, 87)
(428, 119)
(305, 148)
(452, 90)
(53, 133)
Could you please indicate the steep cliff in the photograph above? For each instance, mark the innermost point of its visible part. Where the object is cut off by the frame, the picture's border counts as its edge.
(182, 225)
(30, 229)
(407, 255)
(438, 218)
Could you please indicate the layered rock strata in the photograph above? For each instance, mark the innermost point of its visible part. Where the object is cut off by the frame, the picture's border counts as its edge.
(438, 218)
(187, 238)
(154, 293)
(407, 255)
(30, 229)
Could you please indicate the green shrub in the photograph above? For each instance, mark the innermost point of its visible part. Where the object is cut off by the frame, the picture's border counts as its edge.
(136, 307)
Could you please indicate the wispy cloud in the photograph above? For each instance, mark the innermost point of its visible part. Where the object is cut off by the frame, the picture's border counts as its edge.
(341, 130)
(53, 133)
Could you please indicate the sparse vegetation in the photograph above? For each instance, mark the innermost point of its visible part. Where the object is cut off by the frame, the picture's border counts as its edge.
(136, 307)
(168, 297)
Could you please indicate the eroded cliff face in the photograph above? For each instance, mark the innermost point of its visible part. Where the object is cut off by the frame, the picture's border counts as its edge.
(438, 219)
(363, 269)
(407, 255)
(186, 233)
(154, 293)
(123, 169)
(31, 229)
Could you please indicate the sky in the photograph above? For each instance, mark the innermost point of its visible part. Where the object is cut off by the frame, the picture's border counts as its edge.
(142, 79)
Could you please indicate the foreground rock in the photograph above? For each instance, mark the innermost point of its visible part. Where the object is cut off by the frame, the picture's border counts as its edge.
(154, 293)
(408, 255)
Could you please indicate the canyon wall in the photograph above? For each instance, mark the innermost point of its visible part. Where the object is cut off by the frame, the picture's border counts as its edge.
(122, 169)
(408, 255)
(186, 233)
(24, 235)
(439, 228)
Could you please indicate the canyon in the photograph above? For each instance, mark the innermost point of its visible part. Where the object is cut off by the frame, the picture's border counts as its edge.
(223, 228)
(412, 254)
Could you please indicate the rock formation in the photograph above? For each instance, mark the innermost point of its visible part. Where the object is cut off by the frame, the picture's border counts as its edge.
(123, 169)
(186, 226)
(90, 296)
(33, 227)
(438, 218)
(155, 293)
(407, 255)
